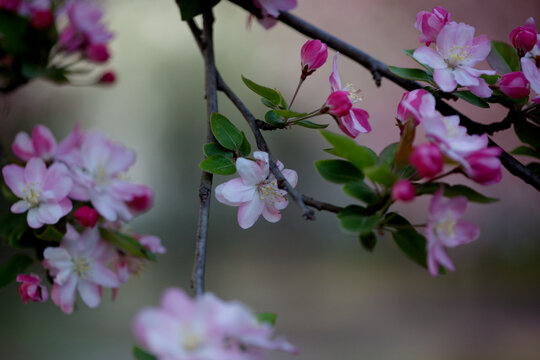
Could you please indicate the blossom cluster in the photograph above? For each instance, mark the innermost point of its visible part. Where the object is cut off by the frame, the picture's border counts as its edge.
(77, 188)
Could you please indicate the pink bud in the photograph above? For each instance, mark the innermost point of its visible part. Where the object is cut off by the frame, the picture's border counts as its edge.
(313, 54)
(142, 202)
(485, 166)
(427, 159)
(107, 78)
(413, 99)
(87, 216)
(403, 190)
(431, 23)
(97, 53)
(524, 37)
(42, 19)
(31, 289)
(514, 85)
(10, 5)
(338, 103)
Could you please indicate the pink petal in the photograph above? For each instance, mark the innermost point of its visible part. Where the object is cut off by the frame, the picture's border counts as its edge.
(291, 176)
(335, 80)
(445, 79)
(64, 295)
(90, 293)
(121, 159)
(250, 212)
(532, 73)
(49, 213)
(270, 214)
(19, 207)
(33, 219)
(454, 34)
(464, 233)
(250, 172)
(14, 178)
(58, 181)
(102, 275)
(44, 142)
(360, 120)
(35, 171)
(479, 50)
(235, 193)
(482, 89)
(177, 303)
(22, 147)
(429, 57)
(464, 78)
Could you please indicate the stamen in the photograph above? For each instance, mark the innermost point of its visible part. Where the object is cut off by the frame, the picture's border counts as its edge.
(32, 193)
(81, 267)
(354, 95)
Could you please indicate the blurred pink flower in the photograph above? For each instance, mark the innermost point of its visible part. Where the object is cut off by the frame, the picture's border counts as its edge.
(532, 74)
(313, 55)
(416, 104)
(524, 37)
(9, 5)
(79, 264)
(107, 78)
(456, 53)
(152, 243)
(141, 201)
(42, 144)
(431, 23)
(484, 166)
(256, 191)
(403, 190)
(446, 229)
(337, 104)
(31, 288)
(86, 216)
(427, 159)
(205, 328)
(514, 85)
(270, 10)
(97, 53)
(43, 191)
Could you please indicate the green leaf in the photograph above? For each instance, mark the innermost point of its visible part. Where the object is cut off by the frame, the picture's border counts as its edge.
(528, 133)
(216, 149)
(356, 222)
(471, 98)
(524, 150)
(310, 125)
(17, 264)
(289, 114)
(344, 147)
(381, 174)
(368, 241)
(411, 74)
(271, 95)
(490, 79)
(269, 104)
(225, 132)
(13, 29)
(245, 148)
(273, 118)
(191, 8)
(338, 171)
(13, 227)
(503, 58)
(141, 354)
(126, 243)
(218, 164)
(49, 233)
(388, 154)
(410, 241)
(453, 191)
(361, 191)
(266, 318)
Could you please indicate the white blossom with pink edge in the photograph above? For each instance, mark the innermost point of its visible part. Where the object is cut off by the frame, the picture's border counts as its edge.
(446, 229)
(532, 73)
(205, 328)
(356, 121)
(79, 264)
(453, 58)
(43, 191)
(256, 191)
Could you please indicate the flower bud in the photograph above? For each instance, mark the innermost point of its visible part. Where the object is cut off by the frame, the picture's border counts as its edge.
(313, 54)
(403, 190)
(42, 19)
(97, 53)
(107, 78)
(431, 23)
(409, 106)
(31, 289)
(338, 104)
(485, 166)
(524, 37)
(514, 85)
(87, 216)
(427, 159)
(143, 201)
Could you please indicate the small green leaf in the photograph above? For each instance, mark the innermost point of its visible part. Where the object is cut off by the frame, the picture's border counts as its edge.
(16, 265)
(141, 354)
(273, 118)
(216, 149)
(381, 174)
(218, 164)
(225, 132)
(289, 114)
(126, 243)
(528, 133)
(368, 241)
(338, 171)
(266, 318)
(503, 58)
(357, 223)
(410, 241)
(310, 125)
(191, 8)
(409, 52)
(13, 29)
(271, 95)
(490, 79)
(453, 191)
(49, 233)
(471, 98)
(245, 148)
(13, 227)
(345, 147)
(388, 154)
(524, 150)
(361, 191)
(411, 74)
(269, 104)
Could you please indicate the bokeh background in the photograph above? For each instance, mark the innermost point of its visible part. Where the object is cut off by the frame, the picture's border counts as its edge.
(333, 299)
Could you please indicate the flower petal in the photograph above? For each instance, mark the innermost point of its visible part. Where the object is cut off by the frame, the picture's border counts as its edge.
(14, 178)
(250, 171)
(445, 79)
(429, 57)
(90, 293)
(250, 212)
(235, 193)
(64, 295)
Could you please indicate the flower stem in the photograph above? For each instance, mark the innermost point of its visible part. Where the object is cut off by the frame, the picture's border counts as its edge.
(296, 92)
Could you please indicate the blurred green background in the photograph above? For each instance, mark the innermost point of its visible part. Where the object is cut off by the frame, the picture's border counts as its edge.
(334, 300)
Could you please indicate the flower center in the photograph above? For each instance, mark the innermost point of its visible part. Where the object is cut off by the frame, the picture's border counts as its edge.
(354, 95)
(446, 227)
(458, 54)
(452, 130)
(269, 191)
(32, 193)
(81, 267)
(190, 340)
(101, 175)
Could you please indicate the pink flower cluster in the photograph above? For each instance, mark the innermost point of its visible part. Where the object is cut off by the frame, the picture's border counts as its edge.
(205, 328)
(84, 172)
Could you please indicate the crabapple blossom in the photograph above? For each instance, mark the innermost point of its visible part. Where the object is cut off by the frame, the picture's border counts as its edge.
(42, 144)
(431, 23)
(43, 191)
(524, 38)
(270, 10)
(97, 53)
(356, 121)
(126, 265)
(79, 264)
(485, 166)
(532, 73)
(427, 159)
(337, 104)
(205, 328)
(256, 191)
(31, 288)
(456, 53)
(446, 229)
(403, 190)
(86, 216)
(313, 55)
(514, 85)
(141, 201)
(422, 103)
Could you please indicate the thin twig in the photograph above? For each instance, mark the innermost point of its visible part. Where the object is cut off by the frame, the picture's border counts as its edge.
(319, 205)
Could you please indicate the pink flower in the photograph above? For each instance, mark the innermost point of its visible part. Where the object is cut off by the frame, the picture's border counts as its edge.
(514, 85)
(42, 19)
(42, 144)
(532, 74)
(9, 5)
(43, 191)
(270, 10)
(205, 328)
(256, 191)
(523, 38)
(107, 78)
(313, 54)
(29, 8)
(403, 190)
(79, 264)
(152, 243)
(421, 102)
(427, 159)
(31, 288)
(356, 121)
(338, 104)
(456, 53)
(86, 216)
(446, 229)
(97, 53)
(485, 166)
(142, 201)
(431, 23)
